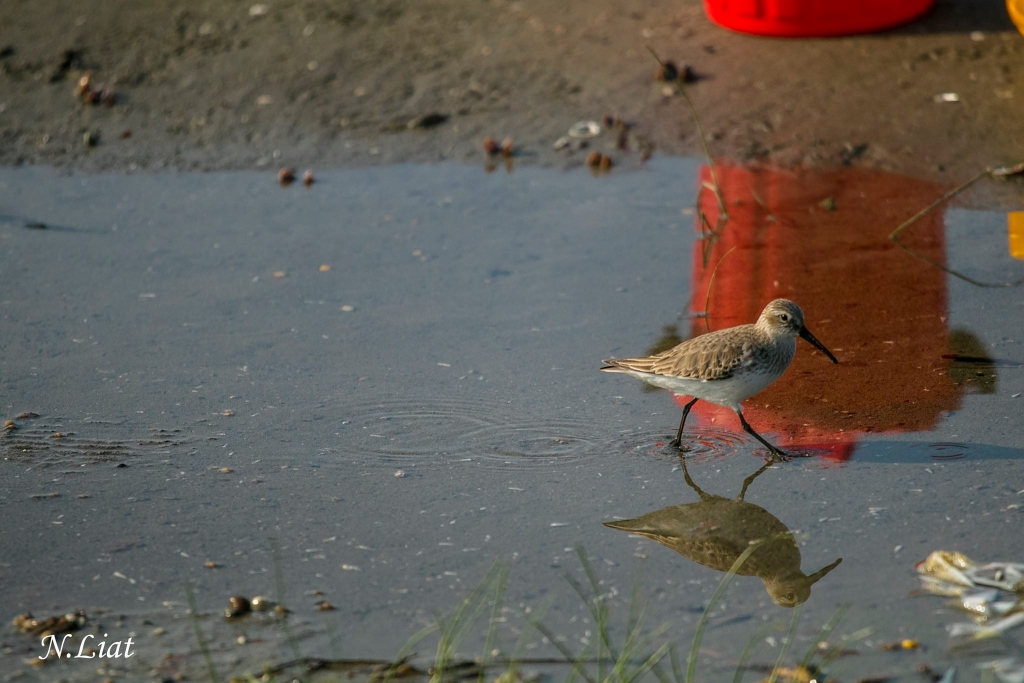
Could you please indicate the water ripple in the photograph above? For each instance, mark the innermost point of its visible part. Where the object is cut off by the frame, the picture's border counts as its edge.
(404, 432)
(55, 441)
(705, 444)
(431, 432)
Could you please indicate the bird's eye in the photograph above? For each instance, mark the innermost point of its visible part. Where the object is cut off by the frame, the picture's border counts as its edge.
(784, 318)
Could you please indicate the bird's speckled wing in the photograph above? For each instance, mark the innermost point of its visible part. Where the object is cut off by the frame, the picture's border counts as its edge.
(712, 356)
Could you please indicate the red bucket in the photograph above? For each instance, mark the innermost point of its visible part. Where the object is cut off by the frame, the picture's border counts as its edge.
(811, 18)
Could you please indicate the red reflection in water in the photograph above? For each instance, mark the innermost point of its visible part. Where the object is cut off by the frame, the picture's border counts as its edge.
(821, 240)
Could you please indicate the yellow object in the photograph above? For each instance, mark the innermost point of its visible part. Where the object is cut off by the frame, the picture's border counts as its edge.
(1016, 10)
(1015, 219)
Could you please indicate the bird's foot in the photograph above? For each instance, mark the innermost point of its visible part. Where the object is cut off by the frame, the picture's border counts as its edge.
(678, 444)
(780, 456)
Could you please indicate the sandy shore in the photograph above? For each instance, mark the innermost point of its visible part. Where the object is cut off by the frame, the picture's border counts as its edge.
(200, 85)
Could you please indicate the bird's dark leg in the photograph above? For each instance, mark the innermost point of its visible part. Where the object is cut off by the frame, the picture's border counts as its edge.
(676, 442)
(777, 455)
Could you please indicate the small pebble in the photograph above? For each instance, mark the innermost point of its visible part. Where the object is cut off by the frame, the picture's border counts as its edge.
(431, 120)
(237, 606)
(286, 177)
(668, 72)
(261, 604)
(83, 85)
(612, 121)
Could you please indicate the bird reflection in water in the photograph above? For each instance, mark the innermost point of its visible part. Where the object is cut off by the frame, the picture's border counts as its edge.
(714, 532)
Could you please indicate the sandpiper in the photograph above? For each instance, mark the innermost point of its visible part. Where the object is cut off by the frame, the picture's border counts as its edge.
(727, 366)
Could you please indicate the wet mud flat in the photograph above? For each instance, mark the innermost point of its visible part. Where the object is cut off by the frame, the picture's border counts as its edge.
(194, 85)
(392, 376)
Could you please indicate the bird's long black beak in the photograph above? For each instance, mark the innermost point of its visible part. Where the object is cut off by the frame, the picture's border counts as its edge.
(806, 334)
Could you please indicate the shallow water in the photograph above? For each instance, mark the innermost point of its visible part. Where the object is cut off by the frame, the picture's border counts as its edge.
(394, 374)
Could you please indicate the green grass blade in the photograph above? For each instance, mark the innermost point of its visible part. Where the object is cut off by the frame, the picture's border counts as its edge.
(637, 605)
(497, 599)
(842, 645)
(741, 667)
(823, 635)
(454, 627)
(279, 594)
(790, 636)
(677, 671)
(702, 135)
(691, 660)
(598, 609)
(577, 661)
(647, 665)
(194, 614)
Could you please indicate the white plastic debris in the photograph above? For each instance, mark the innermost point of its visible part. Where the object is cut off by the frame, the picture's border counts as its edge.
(1007, 576)
(947, 97)
(585, 129)
(971, 632)
(985, 590)
(947, 567)
(992, 593)
(1009, 670)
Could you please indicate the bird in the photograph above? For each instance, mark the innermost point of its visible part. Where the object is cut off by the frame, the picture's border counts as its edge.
(727, 366)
